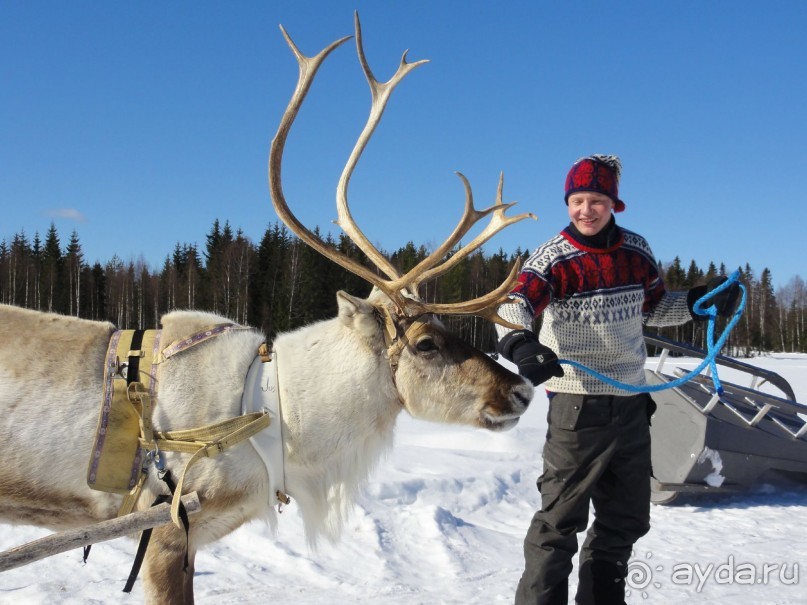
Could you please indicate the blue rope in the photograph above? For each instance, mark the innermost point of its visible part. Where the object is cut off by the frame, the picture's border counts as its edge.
(713, 348)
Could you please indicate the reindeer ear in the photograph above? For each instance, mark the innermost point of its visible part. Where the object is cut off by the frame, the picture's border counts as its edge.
(357, 313)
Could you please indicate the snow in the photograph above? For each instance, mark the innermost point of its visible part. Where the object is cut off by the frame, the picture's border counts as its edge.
(715, 479)
(442, 522)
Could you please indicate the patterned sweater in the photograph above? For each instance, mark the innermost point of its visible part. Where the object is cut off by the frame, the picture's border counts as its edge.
(595, 301)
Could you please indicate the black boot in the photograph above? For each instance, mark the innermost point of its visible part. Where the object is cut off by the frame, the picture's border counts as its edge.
(601, 583)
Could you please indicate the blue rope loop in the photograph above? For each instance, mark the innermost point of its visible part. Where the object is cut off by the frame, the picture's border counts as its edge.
(702, 307)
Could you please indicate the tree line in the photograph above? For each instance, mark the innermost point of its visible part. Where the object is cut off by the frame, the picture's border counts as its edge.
(280, 283)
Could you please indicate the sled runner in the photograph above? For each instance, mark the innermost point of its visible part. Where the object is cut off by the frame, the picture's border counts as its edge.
(704, 443)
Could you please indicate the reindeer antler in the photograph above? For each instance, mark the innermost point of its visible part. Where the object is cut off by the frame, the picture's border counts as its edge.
(401, 289)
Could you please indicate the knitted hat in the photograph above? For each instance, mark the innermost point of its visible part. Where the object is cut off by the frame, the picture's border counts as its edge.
(597, 173)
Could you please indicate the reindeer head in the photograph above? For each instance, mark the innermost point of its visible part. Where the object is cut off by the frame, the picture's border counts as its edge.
(435, 373)
(441, 378)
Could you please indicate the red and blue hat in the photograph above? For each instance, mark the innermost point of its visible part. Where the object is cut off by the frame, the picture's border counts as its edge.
(597, 173)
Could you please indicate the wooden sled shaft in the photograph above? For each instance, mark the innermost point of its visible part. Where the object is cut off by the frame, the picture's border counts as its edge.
(93, 534)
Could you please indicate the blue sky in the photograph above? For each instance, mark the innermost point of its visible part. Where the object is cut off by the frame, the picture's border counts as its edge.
(139, 123)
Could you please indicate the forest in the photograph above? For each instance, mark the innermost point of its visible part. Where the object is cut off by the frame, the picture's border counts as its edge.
(280, 283)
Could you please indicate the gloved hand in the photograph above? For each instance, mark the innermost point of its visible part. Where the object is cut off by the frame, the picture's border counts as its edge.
(535, 362)
(725, 302)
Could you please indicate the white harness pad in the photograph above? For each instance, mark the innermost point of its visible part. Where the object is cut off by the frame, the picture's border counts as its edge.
(261, 394)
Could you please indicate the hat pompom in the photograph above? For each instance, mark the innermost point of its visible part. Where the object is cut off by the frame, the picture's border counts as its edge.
(612, 161)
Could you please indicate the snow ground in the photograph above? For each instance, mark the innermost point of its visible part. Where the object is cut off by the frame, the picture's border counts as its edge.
(442, 522)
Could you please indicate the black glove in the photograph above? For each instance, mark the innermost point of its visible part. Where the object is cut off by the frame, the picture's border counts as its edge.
(535, 362)
(725, 302)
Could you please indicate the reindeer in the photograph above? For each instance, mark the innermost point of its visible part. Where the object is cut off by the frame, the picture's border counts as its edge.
(342, 383)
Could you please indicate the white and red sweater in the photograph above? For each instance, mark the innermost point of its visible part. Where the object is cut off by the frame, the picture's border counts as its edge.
(595, 298)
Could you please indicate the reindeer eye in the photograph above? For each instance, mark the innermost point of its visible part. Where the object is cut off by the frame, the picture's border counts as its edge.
(425, 345)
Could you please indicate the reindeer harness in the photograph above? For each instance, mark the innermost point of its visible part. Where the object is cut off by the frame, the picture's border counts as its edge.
(396, 336)
(126, 443)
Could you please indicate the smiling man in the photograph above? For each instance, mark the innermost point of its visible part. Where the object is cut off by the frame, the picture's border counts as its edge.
(595, 285)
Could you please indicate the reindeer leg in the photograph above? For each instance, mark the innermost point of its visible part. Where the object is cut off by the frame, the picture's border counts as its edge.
(166, 581)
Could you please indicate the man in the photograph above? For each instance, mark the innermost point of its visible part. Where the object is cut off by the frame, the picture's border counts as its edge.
(596, 285)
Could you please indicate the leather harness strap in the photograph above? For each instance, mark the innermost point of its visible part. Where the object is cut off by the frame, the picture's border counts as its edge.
(203, 442)
(395, 339)
(135, 353)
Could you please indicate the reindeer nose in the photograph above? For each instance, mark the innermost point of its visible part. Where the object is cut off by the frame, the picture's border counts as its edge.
(523, 394)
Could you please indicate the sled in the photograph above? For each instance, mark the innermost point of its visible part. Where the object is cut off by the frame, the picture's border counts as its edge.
(704, 443)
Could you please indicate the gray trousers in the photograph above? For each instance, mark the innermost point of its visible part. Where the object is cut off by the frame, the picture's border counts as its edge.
(597, 450)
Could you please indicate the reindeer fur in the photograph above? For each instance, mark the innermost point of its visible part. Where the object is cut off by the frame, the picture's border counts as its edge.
(339, 404)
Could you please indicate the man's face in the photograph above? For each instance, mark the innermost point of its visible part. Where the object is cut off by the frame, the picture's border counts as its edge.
(590, 211)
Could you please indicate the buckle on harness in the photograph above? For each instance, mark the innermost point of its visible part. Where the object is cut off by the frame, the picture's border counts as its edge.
(154, 457)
